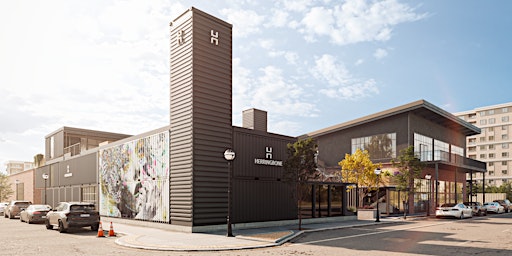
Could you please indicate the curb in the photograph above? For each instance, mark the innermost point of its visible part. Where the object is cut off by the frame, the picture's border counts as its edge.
(264, 243)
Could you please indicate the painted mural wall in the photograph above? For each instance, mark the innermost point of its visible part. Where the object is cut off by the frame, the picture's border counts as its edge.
(134, 179)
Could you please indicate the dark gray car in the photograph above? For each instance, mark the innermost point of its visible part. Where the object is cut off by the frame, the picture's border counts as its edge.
(73, 214)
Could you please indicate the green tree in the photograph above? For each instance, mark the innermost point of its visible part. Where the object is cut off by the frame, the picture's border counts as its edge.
(357, 168)
(5, 187)
(409, 169)
(300, 167)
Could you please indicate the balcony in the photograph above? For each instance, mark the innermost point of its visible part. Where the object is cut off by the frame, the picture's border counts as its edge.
(73, 150)
(443, 156)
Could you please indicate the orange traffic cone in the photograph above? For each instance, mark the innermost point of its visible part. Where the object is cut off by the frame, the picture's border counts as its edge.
(100, 231)
(111, 231)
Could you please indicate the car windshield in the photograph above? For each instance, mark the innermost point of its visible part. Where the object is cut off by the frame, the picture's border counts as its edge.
(40, 208)
(448, 205)
(22, 204)
(78, 208)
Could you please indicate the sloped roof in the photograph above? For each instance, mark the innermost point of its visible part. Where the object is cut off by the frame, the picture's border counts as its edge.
(421, 108)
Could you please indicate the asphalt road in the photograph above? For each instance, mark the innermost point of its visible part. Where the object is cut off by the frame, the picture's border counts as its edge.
(491, 235)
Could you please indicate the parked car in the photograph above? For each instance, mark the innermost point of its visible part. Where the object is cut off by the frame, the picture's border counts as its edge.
(494, 207)
(477, 207)
(506, 204)
(459, 211)
(2, 207)
(35, 213)
(73, 214)
(15, 207)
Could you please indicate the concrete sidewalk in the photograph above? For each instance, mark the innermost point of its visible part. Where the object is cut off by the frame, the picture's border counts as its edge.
(159, 238)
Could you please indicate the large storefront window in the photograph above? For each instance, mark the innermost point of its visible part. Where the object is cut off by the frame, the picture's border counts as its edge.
(380, 146)
(322, 200)
(423, 147)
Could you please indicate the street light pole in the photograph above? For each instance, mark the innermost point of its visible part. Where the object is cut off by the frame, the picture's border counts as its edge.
(428, 177)
(229, 155)
(45, 177)
(377, 172)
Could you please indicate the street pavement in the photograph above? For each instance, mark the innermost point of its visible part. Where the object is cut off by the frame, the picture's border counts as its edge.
(158, 237)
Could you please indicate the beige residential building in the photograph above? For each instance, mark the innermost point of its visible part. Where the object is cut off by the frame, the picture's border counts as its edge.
(493, 145)
(13, 167)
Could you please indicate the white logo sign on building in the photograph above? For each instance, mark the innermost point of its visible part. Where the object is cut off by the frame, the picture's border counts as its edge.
(268, 159)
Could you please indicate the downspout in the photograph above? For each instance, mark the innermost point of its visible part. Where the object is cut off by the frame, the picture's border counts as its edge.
(437, 185)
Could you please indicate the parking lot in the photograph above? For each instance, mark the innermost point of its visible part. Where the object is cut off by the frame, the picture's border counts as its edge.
(486, 235)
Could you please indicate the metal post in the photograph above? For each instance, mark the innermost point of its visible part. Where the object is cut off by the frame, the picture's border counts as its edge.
(377, 172)
(230, 231)
(44, 191)
(229, 155)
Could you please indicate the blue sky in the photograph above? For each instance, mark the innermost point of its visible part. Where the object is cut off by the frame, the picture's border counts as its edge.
(103, 65)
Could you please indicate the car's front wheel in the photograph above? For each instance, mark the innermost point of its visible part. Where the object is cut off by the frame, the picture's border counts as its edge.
(48, 225)
(95, 227)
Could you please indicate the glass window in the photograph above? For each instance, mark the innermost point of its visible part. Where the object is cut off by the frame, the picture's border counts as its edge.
(491, 147)
(490, 163)
(503, 171)
(504, 136)
(504, 119)
(423, 146)
(492, 120)
(482, 139)
(491, 129)
(491, 155)
(457, 150)
(503, 127)
(484, 147)
(441, 150)
(482, 156)
(504, 154)
(490, 111)
(379, 146)
(503, 162)
(504, 145)
(504, 110)
(491, 173)
(483, 122)
(491, 138)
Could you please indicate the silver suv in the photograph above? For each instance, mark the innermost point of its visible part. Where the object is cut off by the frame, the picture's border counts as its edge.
(73, 214)
(15, 207)
(477, 207)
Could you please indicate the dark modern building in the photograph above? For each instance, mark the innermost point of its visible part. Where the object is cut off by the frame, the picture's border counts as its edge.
(178, 175)
(438, 137)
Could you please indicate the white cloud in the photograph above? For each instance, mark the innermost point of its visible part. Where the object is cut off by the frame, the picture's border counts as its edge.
(278, 18)
(359, 62)
(353, 91)
(280, 95)
(245, 22)
(357, 21)
(327, 68)
(341, 83)
(380, 53)
(297, 5)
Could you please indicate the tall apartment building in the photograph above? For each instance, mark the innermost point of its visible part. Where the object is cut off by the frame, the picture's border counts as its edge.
(13, 167)
(493, 145)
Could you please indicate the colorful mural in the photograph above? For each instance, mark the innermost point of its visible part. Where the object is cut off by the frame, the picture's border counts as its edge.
(134, 179)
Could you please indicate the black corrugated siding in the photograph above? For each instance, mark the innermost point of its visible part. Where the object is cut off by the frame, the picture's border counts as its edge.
(201, 128)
